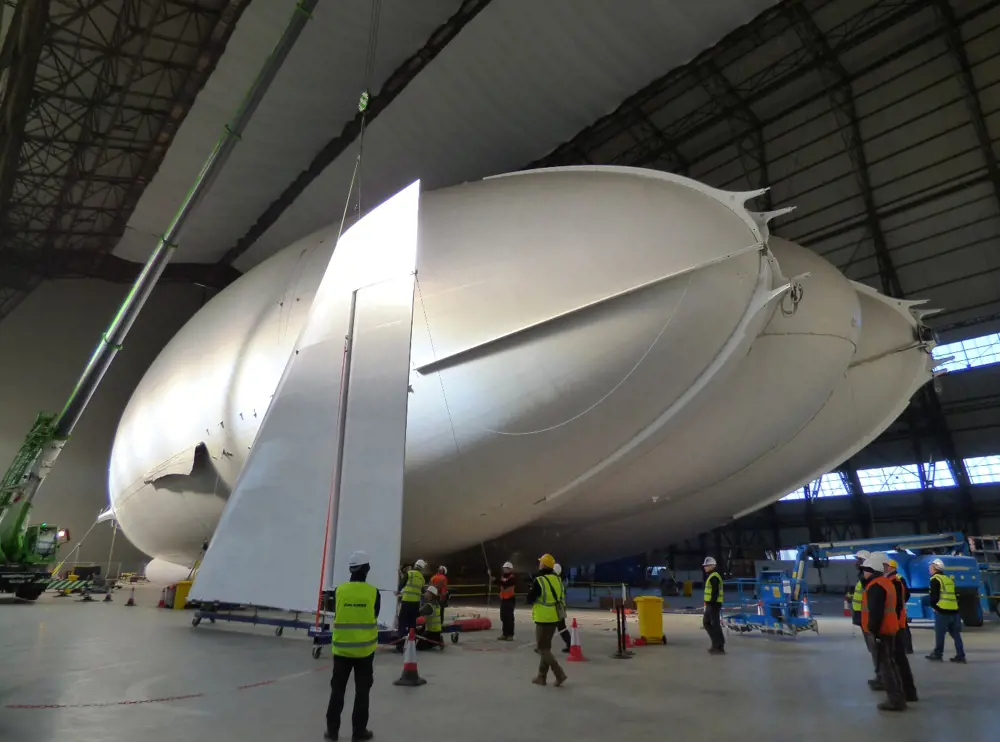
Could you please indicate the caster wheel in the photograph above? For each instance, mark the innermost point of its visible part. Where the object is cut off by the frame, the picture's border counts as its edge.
(195, 621)
(316, 652)
(278, 631)
(454, 638)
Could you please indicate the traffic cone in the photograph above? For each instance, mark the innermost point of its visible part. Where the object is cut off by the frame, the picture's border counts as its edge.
(628, 641)
(575, 650)
(847, 606)
(806, 613)
(107, 598)
(130, 603)
(410, 677)
(163, 599)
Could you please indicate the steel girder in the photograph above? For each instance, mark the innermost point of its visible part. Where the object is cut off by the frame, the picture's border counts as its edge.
(111, 85)
(393, 86)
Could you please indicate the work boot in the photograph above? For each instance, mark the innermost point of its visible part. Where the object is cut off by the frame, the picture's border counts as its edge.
(329, 735)
(362, 736)
(912, 697)
(890, 706)
(538, 680)
(559, 681)
(716, 650)
(565, 650)
(934, 657)
(959, 660)
(876, 684)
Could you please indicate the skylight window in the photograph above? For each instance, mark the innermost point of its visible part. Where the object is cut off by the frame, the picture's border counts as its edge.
(971, 353)
(829, 485)
(983, 469)
(904, 478)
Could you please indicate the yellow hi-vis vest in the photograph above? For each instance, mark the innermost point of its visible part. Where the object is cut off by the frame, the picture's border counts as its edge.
(947, 600)
(858, 597)
(432, 623)
(544, 609)
(708, 587)
(414, 586)
(355, 626)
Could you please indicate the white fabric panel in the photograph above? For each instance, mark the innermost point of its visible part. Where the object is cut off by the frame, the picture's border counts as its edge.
(268, 547)
(370, 508)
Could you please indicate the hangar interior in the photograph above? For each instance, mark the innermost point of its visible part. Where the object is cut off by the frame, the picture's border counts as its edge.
(878, 120)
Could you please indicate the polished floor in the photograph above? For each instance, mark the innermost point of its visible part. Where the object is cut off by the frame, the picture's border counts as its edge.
(106, 673)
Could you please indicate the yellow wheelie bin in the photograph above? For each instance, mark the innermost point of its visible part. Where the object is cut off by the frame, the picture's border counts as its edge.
(650, 608)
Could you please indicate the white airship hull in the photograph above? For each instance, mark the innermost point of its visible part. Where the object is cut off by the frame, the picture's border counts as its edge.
(604, 356)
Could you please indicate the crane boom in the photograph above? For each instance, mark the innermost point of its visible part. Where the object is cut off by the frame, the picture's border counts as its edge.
(20, 547)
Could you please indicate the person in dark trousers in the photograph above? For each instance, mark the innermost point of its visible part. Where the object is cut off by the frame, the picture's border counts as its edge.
(545, 596)
(899, 647)
(856, 598)
(947, 620)
(429, 636)
(355, 637)
(904, 630)
(712, 618)
(410, 592)
(561, 627)
(879, 618)
(506, 581)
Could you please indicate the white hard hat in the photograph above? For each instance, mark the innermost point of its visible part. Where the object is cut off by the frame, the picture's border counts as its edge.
(937, 563)
(557, 569)
(420, 564)
(443, 569)
(709, 562)
(862, 554)
(508, 565)
(358, 558)
(432, 590)
(873, 563)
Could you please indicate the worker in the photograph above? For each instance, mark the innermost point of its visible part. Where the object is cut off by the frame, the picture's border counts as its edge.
(561, 627)
(440, 581)
(880, 620)
(430, 609)
(859, 589)
(410, 590)
(355, 636)
(506, 582)
(899, 645)
(905, 631)
(712, 618)
(545, 596)
(944, 601)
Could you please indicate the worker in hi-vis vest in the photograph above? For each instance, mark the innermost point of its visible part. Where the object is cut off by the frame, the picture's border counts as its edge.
(859, 589)
(429, 635)
(506, 580)
(355, 636)
(562, 628)
(548, 605)
(899, 647)
(410, 593)
(880, 620)
(712, 618)
(944, 601)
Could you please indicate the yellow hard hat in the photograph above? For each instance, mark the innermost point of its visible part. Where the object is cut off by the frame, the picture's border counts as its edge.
(893, 563)
(547, 560)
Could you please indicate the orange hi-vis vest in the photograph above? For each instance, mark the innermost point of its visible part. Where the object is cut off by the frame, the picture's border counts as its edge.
(507, 592)
(890, 621)
(902, 613)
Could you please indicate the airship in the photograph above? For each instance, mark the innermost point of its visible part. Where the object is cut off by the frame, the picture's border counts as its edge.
(604, 359)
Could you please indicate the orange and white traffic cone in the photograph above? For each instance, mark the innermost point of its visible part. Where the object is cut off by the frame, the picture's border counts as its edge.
(628, 641)
(107, 597)
(575, 650)
(847, 606)
(130, 603)
(163, 599)
(410, 676)
(806, 613)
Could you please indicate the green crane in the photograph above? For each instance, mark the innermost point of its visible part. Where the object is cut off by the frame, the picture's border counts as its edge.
(27, 551)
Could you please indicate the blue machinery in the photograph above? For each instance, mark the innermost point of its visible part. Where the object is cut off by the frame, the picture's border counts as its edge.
(777, 602)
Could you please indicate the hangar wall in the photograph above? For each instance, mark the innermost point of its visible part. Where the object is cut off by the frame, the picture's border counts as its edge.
(44, 345)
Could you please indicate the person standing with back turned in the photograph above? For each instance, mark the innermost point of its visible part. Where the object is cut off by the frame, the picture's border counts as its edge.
(411, 591)
(880, 620)
(944, 601)
(545, 596)
(712, 619)
(355, 636)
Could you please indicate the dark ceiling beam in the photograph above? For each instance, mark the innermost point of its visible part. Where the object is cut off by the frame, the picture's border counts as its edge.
(21, 268)
(843, 105)
(396, 84)
(19, 57)
(956, 44)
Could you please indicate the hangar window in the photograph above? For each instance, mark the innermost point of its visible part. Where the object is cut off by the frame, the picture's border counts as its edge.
(904, 478)
(983, 469)
(971, 353)
(829, 485)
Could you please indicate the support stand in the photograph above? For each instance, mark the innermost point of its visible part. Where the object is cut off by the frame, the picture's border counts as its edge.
(622, 653)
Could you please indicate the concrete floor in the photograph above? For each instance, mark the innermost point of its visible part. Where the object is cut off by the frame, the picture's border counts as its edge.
(76, 665)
